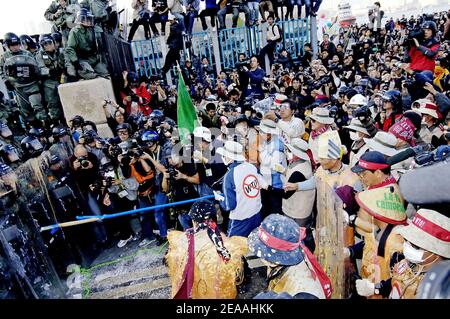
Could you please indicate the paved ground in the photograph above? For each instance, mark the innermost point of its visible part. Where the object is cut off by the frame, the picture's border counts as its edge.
(138, 273)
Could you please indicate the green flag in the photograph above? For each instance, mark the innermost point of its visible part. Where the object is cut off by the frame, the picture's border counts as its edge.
(186, 113)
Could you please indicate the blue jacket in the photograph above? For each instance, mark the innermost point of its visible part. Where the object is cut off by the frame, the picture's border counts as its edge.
(256, 78)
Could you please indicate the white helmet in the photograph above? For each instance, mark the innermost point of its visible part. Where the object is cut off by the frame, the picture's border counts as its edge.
(358, 99)
(203, 133)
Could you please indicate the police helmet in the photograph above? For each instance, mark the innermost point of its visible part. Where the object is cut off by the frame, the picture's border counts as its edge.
(57, 37)
(11, 39)
(28, 42)
(54, 159)
(36, 132)
(31, 146)
(343, 90)
(45, 39)
(58, 132)
(124, 126)
(85, 17)
(393, 96)
(9, 153)
(157, 116)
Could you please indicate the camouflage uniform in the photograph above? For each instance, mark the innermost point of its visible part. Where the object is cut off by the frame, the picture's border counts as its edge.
(60, 19)
(82, 48)
(51, 65)
(22, 71)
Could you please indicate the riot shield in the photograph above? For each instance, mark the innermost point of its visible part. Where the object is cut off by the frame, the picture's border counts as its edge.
(330, 239)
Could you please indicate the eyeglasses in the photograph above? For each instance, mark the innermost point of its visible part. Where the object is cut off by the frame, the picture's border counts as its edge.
(123, 132)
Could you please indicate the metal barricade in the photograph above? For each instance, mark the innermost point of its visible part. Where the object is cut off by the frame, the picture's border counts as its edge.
(295, 35)
(147, 56)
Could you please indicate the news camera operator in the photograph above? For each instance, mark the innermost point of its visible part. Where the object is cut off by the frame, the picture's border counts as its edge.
(84, 167)
(179, 182)
(422, 47)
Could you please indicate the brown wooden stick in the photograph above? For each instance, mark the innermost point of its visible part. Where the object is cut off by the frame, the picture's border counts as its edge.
(73, 223)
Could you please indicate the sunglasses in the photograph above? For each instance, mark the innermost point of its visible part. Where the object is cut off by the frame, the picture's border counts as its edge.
(123, 132)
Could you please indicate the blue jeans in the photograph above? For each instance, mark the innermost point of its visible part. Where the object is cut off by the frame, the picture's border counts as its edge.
(160, 218)
(253, 8)
(145, 219)
(185, 221)
(243, 227)
(180, 19)
(99, 227)
(189, 21)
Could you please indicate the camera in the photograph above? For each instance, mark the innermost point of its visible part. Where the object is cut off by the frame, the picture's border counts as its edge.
(84, 161)
(172, 172)
(416, 33)
(240, 64)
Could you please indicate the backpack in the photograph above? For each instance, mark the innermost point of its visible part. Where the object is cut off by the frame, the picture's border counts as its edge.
(280, 31)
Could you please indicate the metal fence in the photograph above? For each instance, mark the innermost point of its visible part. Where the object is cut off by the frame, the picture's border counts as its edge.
(148, 55)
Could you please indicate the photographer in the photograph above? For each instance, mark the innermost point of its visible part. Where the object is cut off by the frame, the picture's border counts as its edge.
(179, 180)
(134, 94)
(114, 116)
(423, 48)
(85, 169)
(256, 76)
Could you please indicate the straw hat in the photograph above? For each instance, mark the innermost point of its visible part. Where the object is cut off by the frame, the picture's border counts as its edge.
(383, 142)
(322, 115)
(232, 150)
(299, 147)
(384, 203)
(268, 127)
(357, 126)
(429, 230)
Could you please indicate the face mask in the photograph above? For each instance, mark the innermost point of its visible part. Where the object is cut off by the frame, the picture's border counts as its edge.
(354, 136)
(243, 130)
(411, 254)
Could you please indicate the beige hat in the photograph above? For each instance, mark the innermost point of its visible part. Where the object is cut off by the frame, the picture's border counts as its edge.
(299, 147)
(356, 125)
(430, 109)
(232, 150)
(429, 230)
(330, 146)
(279, 100)
(383, 142)
(383, 203)
(268, 127)
(322, 115)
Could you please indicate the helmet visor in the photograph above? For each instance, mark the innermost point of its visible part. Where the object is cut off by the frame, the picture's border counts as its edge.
(86, 20)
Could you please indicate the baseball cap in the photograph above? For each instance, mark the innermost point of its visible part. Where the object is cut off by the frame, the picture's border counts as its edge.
(370, 161)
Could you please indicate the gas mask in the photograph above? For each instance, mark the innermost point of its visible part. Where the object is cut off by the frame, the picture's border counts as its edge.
(354, 136)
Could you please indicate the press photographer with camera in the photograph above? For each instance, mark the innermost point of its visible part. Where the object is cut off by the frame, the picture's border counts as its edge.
(422, 47)
(178, 181)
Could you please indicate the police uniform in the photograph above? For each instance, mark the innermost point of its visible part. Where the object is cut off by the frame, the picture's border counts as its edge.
(82, 48)
(22, 71)
(63, 21)
(51, 65)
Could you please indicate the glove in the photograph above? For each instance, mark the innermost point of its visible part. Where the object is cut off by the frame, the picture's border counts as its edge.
(76, 65)
(346, 252)
(365, 288)
(218, 197)
(9, 86)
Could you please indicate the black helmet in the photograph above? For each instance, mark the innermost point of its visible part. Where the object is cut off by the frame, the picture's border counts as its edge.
(157, 116)
(9, 153)
(27, 41)
(31, 146)
(85, 17)
(57, 37)
(132, 77)
(436, 283)
(430, 25)
(11, 39)
(124, 126)
(36, 132)
(343, 90)
(58, 132)
(45, 39)
(393, 96)
(77, 121)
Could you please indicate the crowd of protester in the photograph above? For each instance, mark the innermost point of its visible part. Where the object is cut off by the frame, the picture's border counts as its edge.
(370, 94)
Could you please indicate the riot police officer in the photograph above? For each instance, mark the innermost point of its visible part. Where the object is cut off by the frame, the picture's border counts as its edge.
(51, 63)
(104, 18)
(29, 44)
(20, 71)
(62, 13)
(81, 49)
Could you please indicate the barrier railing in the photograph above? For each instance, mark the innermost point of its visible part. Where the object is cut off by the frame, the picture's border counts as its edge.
(148, 55)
